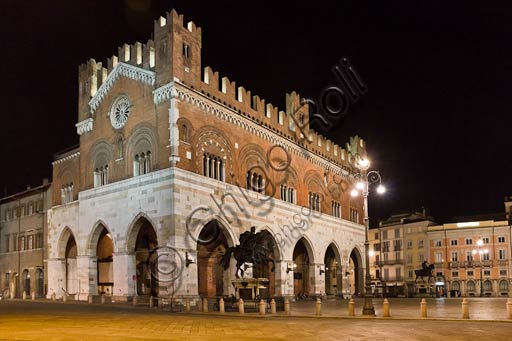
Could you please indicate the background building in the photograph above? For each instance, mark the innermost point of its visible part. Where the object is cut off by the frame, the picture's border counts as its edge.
(472, 256)
(23, 228)
(399, 247)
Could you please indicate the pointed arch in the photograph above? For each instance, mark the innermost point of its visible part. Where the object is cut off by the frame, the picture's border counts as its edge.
(309, 247)
(225, 226)
(133, 230)
(356, 272)
(277, 248)
(212, 243)
(333, 272)
(63, 240)
(303, 267)
(94, 236)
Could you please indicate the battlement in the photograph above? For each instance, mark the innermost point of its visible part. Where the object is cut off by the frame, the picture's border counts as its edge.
(175, 53)
(292, 123)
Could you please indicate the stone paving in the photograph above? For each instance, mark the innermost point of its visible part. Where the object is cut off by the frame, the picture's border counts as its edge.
(47, 320)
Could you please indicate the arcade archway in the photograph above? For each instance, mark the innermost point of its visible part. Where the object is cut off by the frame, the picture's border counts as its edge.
(268, 245)
(333, 275)
(40, 282)
(71, 266)
(105, 262)
(356, 274)
(302, 260)
(212, 243)
(146, 260)
(26, 282)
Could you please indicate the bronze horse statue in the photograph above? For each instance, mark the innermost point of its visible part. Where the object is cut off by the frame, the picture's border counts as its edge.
(426, 271)
(255, 248)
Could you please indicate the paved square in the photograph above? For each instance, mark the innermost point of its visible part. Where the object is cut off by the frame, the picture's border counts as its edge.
(25, 320)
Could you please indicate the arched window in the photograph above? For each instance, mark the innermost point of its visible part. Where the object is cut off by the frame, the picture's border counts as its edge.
(120, 148)
(66, 193)
(471, 286)
(101, 176)
(288, 194)
(213, 167)
(255, 182)
(456, 286)
(503, 285)
(487, 285)
(336, 209)
(184, 133)
(314, 201)
(142, 163)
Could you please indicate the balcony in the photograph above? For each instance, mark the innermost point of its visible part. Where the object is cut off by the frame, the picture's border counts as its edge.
(455, 264)
(502, 262)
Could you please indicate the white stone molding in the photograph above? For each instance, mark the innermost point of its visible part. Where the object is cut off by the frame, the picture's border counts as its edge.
(67, 157)
(125, 70)
(84, 126)
(180, 91)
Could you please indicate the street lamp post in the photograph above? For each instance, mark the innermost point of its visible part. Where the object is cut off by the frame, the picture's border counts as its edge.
(481, 252)
(364, 178)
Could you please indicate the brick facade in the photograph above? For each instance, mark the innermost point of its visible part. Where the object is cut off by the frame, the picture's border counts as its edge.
(191, 144)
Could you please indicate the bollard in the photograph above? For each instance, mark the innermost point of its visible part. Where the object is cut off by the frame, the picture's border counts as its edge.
(465, 308)
(385, 308)
(241, 306)
(24, 295)
(509, 308)
(187, 306)
(272, 306)
(54, 297)
(262, 307)
(102, 299)
(423, 307)
(64, 298)
(205, 305)
(286, 306)
(33, 295)
(134, 301)
(151, 301)
(89, 299)
(221, 306)
(351, 309)
(318, 306)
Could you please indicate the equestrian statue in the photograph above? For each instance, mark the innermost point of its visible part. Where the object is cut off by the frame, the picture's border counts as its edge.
(255, 248)
(425, 271)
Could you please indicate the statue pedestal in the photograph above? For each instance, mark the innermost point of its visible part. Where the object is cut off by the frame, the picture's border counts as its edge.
(249, 288)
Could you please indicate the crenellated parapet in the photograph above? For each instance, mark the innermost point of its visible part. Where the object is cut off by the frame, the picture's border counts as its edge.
(174, 54)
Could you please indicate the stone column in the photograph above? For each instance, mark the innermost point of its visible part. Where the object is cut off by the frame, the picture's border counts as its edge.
(124, 274)
(56, 277)
(286, 278)
(87, 277)
(319, 279)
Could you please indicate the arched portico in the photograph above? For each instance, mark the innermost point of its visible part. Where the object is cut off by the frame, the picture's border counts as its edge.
(143, 244)
(211, 245)
(101, 249)
(333, 274)
(303, 267)
(356, 273)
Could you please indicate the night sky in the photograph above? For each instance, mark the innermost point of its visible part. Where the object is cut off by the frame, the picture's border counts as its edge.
(436, 116)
